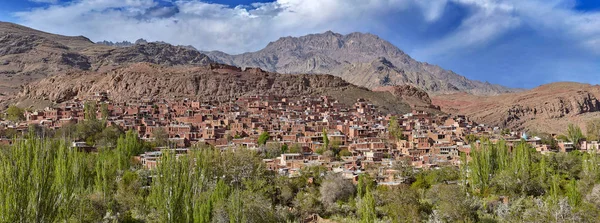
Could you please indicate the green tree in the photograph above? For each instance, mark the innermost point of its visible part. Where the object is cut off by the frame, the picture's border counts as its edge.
(127, 147)
(15, 114)
(367, 207)
(325, 140)
(593, 130)
(104, 111)
(471, 138)
(394, 128)
(263, 138)
(89, 110)
(40, 181)
(170, 191)
(574, 134)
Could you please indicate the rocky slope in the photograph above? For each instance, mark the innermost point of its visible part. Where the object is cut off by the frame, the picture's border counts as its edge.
(206, 83)
(362, 59)
(414, 96)
(548, 108)
(27, 55)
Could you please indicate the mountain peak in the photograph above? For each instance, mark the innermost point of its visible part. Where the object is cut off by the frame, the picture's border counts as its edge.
(357, 57)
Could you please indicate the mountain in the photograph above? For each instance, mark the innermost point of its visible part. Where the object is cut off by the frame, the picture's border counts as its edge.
(27, 55)
(214, 82)
(548, 108)
(360, 58)
(39, 68)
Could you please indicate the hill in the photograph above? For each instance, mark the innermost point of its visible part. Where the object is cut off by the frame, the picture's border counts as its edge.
(215, 83)
(27, 55)
(548, 108)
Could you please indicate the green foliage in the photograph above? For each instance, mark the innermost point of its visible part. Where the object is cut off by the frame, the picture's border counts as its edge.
(263, 138)
(295, 149)
(15, 114)
(47, 181)
(89, 109)
(574, 134)
(593, 130)
(325, 140)
(171, 189)
(345, 153)
(41, 180)
(367, 207)
(127, 147)
(104, 111)
(394, 129)
(403, 204)
(471, 138)
(425, 179)
(161, 137)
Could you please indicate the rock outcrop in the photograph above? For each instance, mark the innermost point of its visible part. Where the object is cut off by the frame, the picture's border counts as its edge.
(414, 96)
(548, 108)
(212, 82)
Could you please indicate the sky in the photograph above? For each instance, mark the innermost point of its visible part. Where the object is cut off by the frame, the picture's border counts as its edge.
(516, 43)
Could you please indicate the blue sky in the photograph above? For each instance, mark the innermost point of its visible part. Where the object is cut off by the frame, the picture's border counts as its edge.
(510, 42)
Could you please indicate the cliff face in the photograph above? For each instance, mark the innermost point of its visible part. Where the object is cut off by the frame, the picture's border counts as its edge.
(360, 58)
(27, 55)
(549, 108)
(206, 83)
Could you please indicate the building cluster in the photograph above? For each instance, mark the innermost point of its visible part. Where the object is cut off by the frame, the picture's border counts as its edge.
(311, 131)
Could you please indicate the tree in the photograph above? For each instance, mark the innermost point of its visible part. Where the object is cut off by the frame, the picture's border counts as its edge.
(296, 148)
(367, 207)
(451, 204)
(402, 204)
(127, 146)
(471, 138)
(161, 137)
(171, 189)
(15, 114)
(263, 138)
(89, 109)
(574, 134)
(394, 129)
(593, 130)
(335, 188)
(40, 181)
(104, 111)
(325, 140)
(306, 202)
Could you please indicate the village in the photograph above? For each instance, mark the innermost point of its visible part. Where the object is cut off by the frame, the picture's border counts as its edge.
(306, 131)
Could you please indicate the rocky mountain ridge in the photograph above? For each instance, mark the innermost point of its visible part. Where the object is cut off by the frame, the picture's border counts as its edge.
(27, 55)
(548, 108)
(214, 83)
(360, 58)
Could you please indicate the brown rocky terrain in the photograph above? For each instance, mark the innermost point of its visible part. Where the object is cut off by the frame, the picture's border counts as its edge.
(27, 55)
(360, 58)
(414, 96)
(548, 108)
(213, 82)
